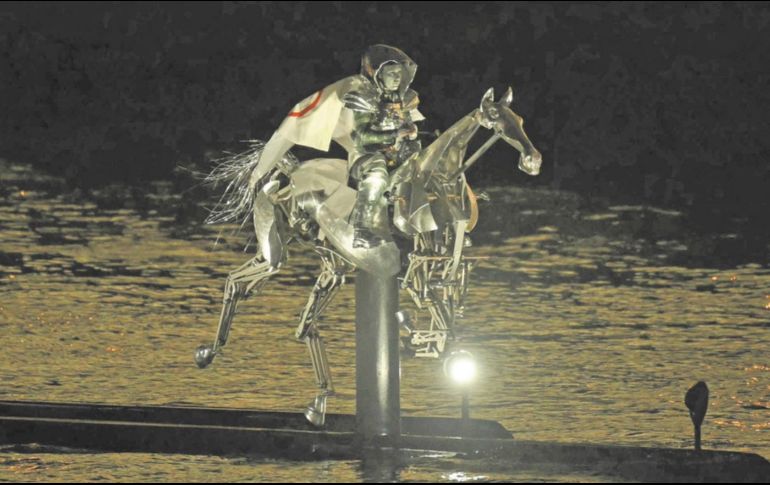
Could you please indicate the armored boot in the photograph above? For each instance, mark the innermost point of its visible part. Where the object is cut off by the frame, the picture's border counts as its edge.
(372, 176)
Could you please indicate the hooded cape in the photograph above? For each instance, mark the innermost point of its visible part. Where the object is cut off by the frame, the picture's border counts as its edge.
(322, 117)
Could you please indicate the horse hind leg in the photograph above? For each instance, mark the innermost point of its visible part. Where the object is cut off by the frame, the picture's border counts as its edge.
(315, 412)
(249, 277)
(330, 280)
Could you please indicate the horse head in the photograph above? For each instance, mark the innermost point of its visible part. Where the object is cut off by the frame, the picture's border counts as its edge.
(498, 116)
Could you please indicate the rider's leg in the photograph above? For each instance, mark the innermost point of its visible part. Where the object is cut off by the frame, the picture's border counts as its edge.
(372, 174)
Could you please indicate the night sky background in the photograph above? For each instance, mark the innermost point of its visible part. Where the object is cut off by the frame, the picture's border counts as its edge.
(666, 104)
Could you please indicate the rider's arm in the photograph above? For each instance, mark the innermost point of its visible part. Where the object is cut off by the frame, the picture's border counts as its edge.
(363, 104)
(364, 135)
(411, 102)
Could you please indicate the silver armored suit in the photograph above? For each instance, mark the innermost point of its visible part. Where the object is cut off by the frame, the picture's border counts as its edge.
(384, 135)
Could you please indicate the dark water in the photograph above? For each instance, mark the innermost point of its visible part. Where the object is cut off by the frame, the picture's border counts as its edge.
(590, 321)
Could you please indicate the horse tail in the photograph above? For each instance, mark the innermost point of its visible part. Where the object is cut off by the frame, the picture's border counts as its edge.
(234, 171)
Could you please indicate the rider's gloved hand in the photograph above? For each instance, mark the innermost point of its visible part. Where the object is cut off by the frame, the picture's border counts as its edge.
(409, 132)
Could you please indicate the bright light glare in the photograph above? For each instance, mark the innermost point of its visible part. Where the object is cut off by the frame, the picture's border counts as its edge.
(461, 368)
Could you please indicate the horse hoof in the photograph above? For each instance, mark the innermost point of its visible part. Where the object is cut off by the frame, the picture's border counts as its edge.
(316, 411)
(204, 355)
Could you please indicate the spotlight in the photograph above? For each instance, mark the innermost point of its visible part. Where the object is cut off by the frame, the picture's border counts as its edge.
(460, 366)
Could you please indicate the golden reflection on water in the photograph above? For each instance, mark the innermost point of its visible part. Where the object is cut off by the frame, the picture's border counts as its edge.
(584, 329)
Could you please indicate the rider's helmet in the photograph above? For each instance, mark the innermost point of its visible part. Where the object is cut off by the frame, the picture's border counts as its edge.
(380, 55)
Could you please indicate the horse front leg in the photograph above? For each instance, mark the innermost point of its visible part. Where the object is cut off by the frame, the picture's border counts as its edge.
(249, 277)
(436, 279)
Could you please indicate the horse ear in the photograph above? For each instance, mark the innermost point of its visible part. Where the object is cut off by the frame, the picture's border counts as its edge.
(507, 98)
(489, 97)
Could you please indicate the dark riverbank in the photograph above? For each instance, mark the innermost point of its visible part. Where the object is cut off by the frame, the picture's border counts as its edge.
(662, 104)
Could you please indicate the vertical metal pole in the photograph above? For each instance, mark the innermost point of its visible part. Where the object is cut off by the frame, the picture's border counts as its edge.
(465, 422)
(378, 408)
(697, 437)
(466, 406)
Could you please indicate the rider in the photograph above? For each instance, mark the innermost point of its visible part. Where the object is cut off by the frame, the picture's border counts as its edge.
(372, 116)
(384, 134)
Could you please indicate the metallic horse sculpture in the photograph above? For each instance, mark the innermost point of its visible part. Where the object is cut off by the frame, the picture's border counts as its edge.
(432, 210)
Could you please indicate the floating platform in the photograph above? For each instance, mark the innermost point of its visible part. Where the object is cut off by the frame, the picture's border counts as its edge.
(243, 432)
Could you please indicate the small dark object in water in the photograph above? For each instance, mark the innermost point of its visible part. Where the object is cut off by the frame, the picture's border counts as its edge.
(711, 288)
(697, 401)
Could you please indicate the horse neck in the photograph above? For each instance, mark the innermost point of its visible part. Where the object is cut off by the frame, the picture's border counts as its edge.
(447, 152)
